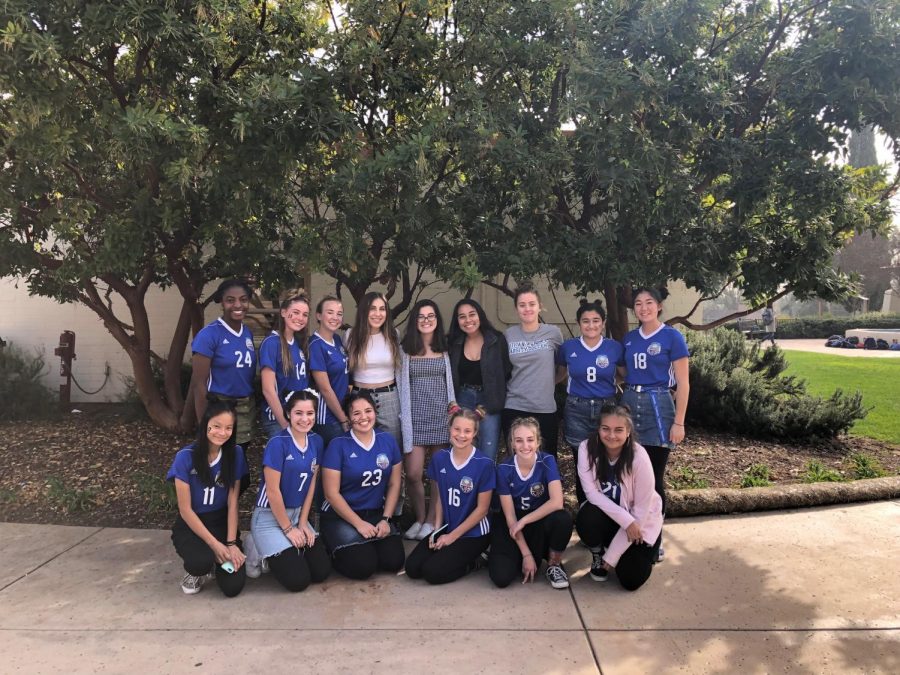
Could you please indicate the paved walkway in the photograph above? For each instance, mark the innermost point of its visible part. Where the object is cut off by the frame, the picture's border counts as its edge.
(808, 591)
(819, 347)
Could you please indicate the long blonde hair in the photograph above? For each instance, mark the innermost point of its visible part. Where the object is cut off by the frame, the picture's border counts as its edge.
(289, 298)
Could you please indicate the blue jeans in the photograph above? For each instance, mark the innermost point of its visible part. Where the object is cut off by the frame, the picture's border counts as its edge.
(489, 429)
(329, 431)
(582, 417)
(269, 427)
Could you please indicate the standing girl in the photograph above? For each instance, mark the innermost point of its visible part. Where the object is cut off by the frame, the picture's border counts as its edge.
(533, 525)
(621, 522)
(464, 479)
(532, 351)
(224, 358)
(361, 477)
(374, 356)
(281, 361)
(479, 360)
(426, 388)
(207, 476)
(656, 359)
(590, 363)
(282, 534)
(329, 367)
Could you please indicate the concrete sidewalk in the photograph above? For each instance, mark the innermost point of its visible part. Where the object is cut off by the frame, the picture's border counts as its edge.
(811, 591)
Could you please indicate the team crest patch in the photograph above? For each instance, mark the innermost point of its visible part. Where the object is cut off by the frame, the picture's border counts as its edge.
(654, 348)
(602, 361)
(466, 484)
(537, 489)
(382, 461)
(249, 343)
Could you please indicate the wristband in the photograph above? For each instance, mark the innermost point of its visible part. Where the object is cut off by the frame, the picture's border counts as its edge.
(677, 424)
(231, 543)
(287, 529)
(386, 519)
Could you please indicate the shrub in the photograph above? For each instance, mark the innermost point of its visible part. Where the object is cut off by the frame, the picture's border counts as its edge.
(686, 478)
(70, 499)
(157, 491)
(23, 394)
(756, 476)
(826, 326)
(866, 467)
(737, 387)
(816, 472)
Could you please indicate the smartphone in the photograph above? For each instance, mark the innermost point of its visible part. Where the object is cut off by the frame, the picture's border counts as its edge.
(433, 537)
(228, 567)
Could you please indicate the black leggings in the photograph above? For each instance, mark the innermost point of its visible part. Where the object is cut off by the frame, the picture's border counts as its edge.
(446, 564)
(597, 529)
(548, 423)
(296, 568)
(360, 561)
(198, 556)
(659, 457)
(550, 533)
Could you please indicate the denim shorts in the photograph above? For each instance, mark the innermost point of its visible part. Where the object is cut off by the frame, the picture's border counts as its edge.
(267, 533)
(653, 412)
(489, 428)
(338, 533)
(581, 417)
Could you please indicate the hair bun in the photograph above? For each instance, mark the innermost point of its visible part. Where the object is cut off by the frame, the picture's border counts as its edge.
(480, 412)
(663, 292)
(582, 302)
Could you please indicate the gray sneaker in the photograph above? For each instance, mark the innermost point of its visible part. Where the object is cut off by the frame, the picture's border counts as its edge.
(557, 576)
(191, 584)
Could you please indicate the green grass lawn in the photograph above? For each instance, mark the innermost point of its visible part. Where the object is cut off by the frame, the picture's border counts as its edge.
(877, 379)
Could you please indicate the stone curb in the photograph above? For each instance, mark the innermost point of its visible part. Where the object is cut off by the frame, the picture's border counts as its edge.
(714, 501)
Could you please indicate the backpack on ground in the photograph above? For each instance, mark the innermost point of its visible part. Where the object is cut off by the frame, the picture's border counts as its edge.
(870, 343)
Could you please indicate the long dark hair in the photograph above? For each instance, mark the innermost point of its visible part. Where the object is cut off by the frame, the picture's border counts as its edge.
(413, 343)
(599, 462)
(287, 362)
(200, 454)
(456, 333)
(359, 336)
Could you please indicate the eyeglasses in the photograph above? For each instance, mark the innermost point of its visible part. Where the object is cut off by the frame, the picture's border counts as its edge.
(426, 317)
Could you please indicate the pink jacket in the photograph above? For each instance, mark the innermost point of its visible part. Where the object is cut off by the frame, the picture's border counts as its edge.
(639, 500)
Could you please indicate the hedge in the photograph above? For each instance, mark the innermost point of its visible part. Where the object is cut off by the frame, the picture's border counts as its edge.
(826, 326)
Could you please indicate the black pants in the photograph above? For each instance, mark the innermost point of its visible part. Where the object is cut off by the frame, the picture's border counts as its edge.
(597, 530)
(446, 564)
(659, 457)
(296, 568)
(198, 556)
(361, 561)
(550, 533)
(548, 422)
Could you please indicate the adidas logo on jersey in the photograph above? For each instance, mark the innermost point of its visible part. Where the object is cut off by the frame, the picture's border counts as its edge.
(288, 457)
(443, 470)
(225, 341)
(193, 472)
(352, 455)
(573, 355)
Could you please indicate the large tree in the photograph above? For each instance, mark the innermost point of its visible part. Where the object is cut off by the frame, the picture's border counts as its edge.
(148, 143)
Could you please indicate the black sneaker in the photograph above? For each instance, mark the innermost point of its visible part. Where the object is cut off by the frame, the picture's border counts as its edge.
(598, 571)
(557, 576)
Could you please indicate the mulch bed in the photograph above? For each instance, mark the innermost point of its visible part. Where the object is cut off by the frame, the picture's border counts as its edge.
(105, 467)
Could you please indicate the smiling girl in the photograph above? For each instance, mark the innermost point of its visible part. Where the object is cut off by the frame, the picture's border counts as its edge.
(621, 521)
(280, 525)
(464, 479)
(329, 367)
(533, 525)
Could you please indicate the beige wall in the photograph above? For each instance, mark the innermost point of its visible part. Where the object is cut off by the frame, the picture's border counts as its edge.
(34, 323)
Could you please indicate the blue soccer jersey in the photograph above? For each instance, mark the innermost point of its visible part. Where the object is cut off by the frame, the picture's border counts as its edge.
(648, 360)
(297, 467)
(459, 487)
(532, 490)
(206, 498)
(610, 487)
(232, 356)
(331, 358)
(270, 357)
(592, 372)
(365, 472)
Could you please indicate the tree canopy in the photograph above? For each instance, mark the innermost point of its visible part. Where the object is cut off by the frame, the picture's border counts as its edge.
(595, 144)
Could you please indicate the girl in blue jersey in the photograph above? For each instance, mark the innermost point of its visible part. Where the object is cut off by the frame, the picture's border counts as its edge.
(361, 474)
(224, 358)
(280, 525)
(282, 364)
(329, 370)
(656, 360)
(208, 476)
(590, 362)
(533, 525)
(464, 479)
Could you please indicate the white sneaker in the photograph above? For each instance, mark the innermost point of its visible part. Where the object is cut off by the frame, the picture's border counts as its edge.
(424, 531)
(413, 531)
(191, 584)
(253, 563)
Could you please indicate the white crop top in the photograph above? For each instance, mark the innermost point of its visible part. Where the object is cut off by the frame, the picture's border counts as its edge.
(379, 365)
